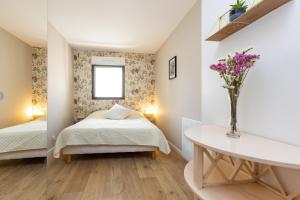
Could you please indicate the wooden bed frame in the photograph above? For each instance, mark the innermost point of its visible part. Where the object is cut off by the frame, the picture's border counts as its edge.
(68, 151)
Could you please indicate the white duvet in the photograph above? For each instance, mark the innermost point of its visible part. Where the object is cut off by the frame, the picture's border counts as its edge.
(96, 130)
(28, 136)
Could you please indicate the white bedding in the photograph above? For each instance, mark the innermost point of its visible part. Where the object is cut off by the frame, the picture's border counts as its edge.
(96, 130)
(28, 136)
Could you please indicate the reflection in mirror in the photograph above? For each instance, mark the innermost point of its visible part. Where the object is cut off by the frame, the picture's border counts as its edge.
(23, 99)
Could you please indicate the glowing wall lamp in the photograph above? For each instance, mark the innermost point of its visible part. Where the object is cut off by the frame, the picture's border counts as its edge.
(150, 113)
(34, 112)
(29, 112)
(151, 110)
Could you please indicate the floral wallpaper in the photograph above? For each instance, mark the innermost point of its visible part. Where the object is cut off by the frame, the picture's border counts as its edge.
(139, 82)
(39, 77)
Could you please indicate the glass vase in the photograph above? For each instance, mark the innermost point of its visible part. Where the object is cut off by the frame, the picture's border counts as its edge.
(233, 99)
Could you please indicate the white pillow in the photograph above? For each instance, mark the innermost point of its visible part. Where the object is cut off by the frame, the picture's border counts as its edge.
(117, 112)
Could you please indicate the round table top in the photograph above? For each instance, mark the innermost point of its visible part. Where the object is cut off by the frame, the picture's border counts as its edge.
(248, 146)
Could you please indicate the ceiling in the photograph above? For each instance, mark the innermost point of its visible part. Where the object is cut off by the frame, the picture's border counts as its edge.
(131, 25)
(26, 19)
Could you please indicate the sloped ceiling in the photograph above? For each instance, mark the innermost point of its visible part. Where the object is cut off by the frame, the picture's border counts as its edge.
(26, 19)
(135, 25)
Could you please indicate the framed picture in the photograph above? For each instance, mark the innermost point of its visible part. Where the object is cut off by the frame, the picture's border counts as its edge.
(173, 68)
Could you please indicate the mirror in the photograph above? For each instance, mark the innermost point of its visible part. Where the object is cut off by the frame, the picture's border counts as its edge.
(23, 99)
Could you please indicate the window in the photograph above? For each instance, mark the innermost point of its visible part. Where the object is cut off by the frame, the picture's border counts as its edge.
(108, 82)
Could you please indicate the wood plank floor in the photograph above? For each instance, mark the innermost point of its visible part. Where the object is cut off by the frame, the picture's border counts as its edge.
(132, 176)
(23, 179)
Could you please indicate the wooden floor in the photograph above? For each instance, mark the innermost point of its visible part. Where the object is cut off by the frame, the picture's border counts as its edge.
(132, 176)
(23, 179)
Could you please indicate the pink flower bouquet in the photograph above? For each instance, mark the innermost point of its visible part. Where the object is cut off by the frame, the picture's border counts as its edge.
(234, 70)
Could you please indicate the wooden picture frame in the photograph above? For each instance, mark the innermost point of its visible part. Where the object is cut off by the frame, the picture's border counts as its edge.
(173, 68)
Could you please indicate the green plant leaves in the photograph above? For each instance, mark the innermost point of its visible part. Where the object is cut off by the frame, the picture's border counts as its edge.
(240, 4)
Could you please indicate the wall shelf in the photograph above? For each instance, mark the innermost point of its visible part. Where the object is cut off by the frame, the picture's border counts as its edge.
(253, 14)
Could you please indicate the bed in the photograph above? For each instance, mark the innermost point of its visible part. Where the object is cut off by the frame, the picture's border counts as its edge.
(96, 134)
(27, 140)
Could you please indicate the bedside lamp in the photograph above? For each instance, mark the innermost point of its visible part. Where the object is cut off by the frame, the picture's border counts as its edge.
(150, 113)
(35, 112)
(38, 111)
(29, 112)
(151, 110)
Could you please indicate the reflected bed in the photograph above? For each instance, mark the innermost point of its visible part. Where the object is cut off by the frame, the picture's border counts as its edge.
(27, 140)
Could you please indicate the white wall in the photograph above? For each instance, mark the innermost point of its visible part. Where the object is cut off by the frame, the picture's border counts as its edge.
(269, 101)
(187, 146)
(60, 84)
(180, 97)
(15, 79)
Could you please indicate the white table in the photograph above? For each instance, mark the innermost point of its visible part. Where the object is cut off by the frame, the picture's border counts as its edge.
(250, 155)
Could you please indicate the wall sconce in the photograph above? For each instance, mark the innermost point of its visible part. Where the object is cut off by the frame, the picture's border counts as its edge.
(151, 110)
(34, 112)
(37, 111)
(29, 112)
(150, 113)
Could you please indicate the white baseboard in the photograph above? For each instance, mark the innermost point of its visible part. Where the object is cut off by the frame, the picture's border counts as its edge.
(175, 148)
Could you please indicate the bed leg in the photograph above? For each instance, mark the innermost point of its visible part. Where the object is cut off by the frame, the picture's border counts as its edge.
(68, 159)
(153, 155)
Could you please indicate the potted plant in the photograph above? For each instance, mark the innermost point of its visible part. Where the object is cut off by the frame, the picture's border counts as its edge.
(234, 70)
(237, 9)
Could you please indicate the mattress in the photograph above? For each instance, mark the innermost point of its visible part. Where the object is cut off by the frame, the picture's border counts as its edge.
(135, 130)
(28, 136)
